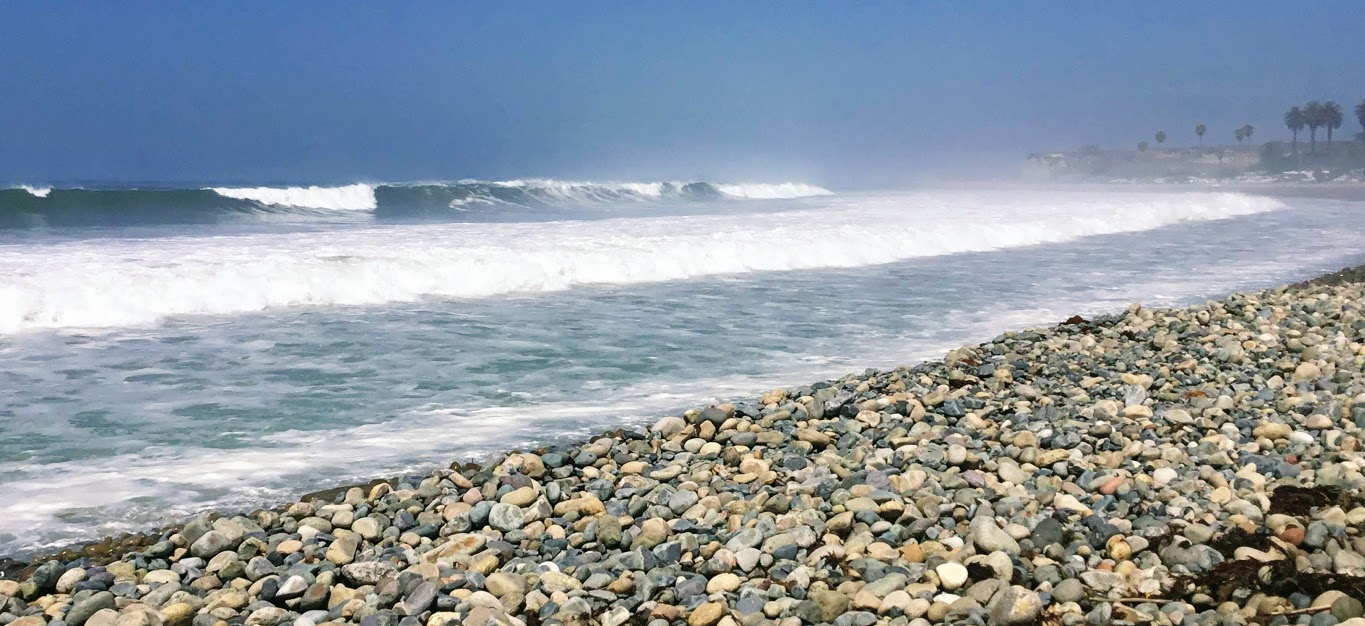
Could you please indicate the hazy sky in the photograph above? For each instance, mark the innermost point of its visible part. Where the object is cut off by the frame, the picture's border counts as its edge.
(839, 93)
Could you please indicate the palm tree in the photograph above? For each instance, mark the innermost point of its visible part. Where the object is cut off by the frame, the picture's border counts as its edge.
(1295, 120)
(1240, 133)
(1161, 136)
(1360, 117)
(1142, 146)
(1331, 118)
(1315, 116)
(1199, 130)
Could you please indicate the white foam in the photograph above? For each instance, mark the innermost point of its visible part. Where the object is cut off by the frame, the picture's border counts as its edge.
(772, 191)
(585, 190)
(358, 197)
(41, 192)
(109, 283)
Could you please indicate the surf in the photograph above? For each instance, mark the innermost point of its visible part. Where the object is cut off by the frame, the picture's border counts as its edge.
(28, 207)
(95, 283)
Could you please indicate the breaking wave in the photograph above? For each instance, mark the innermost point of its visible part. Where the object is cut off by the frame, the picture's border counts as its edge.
(31, 207)
(358, 197)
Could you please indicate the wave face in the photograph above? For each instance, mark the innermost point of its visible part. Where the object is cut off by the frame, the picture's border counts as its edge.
(92, 283)
(22, 208)
(32, 207)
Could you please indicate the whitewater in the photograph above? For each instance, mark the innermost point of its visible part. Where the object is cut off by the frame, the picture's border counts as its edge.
(175, 349)
(101, 283)
(30, 207)
(357, 197)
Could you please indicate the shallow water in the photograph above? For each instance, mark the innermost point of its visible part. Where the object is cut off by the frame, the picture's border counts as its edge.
(155, 371)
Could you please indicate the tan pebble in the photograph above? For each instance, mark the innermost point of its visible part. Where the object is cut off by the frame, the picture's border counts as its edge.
(706, 614)
(722, 583)
(585, 505)
(521, 496)
(1137, 410)
(177, 614)
(882, 552)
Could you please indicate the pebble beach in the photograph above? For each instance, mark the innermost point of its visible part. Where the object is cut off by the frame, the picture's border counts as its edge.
(1193, 466)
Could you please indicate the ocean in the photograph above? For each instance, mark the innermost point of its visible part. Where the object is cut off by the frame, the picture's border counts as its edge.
(167, 351)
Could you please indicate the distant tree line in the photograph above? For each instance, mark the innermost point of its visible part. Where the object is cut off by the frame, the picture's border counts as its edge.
(1311, 116)
(1315, 115)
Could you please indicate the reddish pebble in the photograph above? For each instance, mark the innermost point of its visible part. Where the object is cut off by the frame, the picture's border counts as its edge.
(1111, 485)
(1292, 535)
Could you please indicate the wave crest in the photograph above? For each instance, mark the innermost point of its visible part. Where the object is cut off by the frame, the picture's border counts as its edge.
(357, 197)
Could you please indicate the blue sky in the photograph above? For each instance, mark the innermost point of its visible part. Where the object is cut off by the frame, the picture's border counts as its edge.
(844, 94)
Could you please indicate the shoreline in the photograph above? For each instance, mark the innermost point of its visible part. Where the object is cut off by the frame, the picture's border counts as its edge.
(1013, 480)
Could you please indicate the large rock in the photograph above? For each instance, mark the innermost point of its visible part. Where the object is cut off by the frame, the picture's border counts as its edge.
(506, 517)
(342, 551)
(951, 575)
(420, 598)
(177, 614)
(45, 576)
(211, 543)
(367, 573)
(520, 496)
(706, 614)
(83, 610)
(455, 548)
(583, 506)
(502, 583)
(989, 537)
(267, 616)
(1016, 606)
